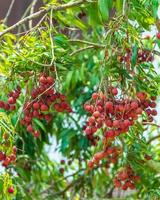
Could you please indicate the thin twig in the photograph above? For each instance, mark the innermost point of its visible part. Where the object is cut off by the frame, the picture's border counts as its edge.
(64, 178)
(152, 124)
(82, 49)
(42, 11)
(9, 12)
(153, 138)
(72, 184)
(124, 4)
(31, 12)
(89, 43)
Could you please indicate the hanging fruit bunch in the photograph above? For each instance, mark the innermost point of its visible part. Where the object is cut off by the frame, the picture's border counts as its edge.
(10, 104)
(44, 99)
(7, 150)
(126, 179)
(110, 153)
(142, 55)
(114, 114)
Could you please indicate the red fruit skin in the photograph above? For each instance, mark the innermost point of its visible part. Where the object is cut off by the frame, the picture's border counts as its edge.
(15, 95)
(44, 108)
(50, 80)
(1, 104)
(36, 113)
(90, 164)
(91, 120)
(117, 184)
(36, 134)
(148, 111)
(108, 123)
(154, 112)
(141, 95)
(123, 175)
(30, 128)
(114, 91)
(14, 149)
(125, 187)
(96, 114)
(62, 162)
(11, 100)
(152, 104)
(158, 35)
(98, 156)
(12, 157)
(28, 119)
(6, 106)
(139, 111)
(95, 96)
(36, 106)
(116, 123)
(6, 162)
(109, 105)
(134, 105)
(43, 80)
(88, 130)
(62, 97)
(48, 117)
(110, 134)
(2, 156)
(13, 107)
(153, 98)
(11, 190)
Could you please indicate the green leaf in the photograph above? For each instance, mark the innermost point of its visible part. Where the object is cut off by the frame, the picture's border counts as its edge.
(119, 5)
(61, 41)
(94, 15)
(134, 56)
(104, 9)
(40, 124)
(155, 5)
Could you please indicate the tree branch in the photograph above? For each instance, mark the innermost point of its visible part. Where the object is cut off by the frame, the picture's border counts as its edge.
(89, 43)
(43, 11)
(152, 124)
(153, 138)
(9, 12)
(31, 12)
(82, 49)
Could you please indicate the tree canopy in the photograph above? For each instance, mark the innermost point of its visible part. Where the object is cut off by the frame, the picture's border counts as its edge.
(86, 77)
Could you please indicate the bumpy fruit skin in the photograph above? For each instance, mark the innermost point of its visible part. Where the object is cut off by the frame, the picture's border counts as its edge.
(95, 96)
(11, 190)
(36, 106)
(114, 115)
(114, 91)
(44, 98)
(30, 128)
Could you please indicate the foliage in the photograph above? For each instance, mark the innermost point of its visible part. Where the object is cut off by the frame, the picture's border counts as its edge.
(85, 44)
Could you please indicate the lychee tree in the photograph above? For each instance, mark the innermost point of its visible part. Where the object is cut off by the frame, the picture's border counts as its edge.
(84, 77)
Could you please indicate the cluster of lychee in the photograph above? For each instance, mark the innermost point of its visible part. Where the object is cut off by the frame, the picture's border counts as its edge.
(8, 155)
(10, 105)
(142, 56)
(110, 153)
(44, 99)
(126, 178)
(115, 115)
